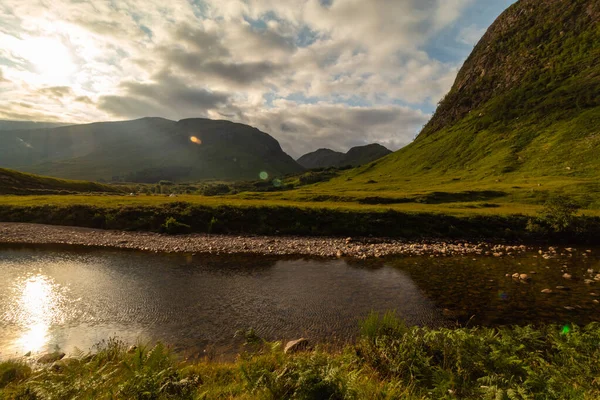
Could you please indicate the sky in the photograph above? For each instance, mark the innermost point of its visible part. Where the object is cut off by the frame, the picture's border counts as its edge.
(312, 73)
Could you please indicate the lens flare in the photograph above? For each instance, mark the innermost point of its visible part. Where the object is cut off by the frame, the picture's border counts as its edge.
(277, 182)
(195, 140)
(565, 330)
(263, 175)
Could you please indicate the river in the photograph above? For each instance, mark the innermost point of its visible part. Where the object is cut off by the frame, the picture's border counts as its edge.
(68, 298)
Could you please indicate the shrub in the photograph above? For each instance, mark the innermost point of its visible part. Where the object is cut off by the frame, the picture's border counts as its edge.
(13, 371)
(174, 227)
(215, 190)
(559, 214)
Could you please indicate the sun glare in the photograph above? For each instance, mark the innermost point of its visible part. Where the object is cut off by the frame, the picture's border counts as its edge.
(51, 59)
(39, 306)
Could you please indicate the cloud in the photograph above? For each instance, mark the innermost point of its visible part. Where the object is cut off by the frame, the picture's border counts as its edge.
(166, 96)
(2, 78)
(57, 91)
(313, 73)
(471, 34)
(336, 126)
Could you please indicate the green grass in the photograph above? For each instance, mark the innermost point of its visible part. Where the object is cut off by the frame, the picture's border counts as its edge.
(13, 182)
(388, 361)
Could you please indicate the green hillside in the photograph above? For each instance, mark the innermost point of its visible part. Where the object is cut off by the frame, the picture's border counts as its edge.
(146, 150)
(522, 120)
(13, 182)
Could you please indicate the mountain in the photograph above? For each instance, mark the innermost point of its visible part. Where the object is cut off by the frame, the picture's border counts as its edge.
(525, 108)
(6, 125)
(322, 158)
(356, 156)
(147, 150)
(13, 182)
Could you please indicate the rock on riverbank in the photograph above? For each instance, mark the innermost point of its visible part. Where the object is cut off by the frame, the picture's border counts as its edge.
(265, 245)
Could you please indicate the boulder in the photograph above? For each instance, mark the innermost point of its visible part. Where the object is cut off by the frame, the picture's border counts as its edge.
(296, 346)
(51, 357)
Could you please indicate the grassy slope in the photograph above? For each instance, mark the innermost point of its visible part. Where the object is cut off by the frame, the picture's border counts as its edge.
(13, 182)
(523, 117)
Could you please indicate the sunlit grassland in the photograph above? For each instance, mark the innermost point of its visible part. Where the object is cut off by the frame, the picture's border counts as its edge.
(269, 200)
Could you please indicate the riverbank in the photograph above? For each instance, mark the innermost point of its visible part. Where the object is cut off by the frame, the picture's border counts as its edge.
(309, 220)
(25, 233)
(390, 361)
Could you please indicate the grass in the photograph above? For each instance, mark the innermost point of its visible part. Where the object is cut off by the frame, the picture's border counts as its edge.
(19, 183)
(389, 361)
(272, 216)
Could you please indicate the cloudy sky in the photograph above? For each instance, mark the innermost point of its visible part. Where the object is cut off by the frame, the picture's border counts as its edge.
(312, 73)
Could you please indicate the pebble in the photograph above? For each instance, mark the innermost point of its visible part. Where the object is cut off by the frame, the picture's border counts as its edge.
(361, 248)
(547, 291)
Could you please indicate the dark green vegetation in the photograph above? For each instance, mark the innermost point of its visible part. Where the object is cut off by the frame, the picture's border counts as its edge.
(255, 217)
(356, 156)
(389, 361)
(13, 182)
(523, 116)
(147, 150)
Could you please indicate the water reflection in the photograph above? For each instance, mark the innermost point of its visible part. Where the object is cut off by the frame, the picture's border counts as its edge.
(75, 298)
(37, 305)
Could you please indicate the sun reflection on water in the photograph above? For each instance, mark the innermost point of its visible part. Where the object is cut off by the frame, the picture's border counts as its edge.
(39, 305)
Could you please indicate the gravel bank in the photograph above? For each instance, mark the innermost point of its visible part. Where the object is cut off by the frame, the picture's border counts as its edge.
(218, 244)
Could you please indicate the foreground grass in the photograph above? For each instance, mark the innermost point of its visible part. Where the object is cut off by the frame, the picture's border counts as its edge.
(389, 361)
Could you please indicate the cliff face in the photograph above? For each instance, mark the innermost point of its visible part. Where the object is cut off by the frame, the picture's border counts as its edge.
(539, 56)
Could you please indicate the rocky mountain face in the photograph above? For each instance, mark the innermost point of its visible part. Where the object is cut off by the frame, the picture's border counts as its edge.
(356, 156)
(147, 150)
(538, 56)
(525, 104)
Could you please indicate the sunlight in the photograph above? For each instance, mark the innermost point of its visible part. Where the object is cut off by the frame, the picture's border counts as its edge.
(39, 305)
(51, 59)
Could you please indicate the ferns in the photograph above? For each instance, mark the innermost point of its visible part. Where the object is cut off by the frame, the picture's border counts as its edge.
(390, 361)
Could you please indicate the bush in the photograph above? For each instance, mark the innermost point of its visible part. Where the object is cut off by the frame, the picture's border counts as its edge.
(174, 227)
(559, 214)
(215, 190)
(13, 371)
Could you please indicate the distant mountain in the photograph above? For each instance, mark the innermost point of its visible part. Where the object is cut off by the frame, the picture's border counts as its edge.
(325, 158)
(147, 150)
(13, 182)
(6, 125)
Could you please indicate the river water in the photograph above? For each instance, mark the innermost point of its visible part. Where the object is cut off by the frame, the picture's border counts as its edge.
(68, 298)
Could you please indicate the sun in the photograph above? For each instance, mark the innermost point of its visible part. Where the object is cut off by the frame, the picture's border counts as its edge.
(50, 58)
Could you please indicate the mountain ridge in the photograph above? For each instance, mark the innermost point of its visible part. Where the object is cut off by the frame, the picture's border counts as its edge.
(356, 156)
(147, 150)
